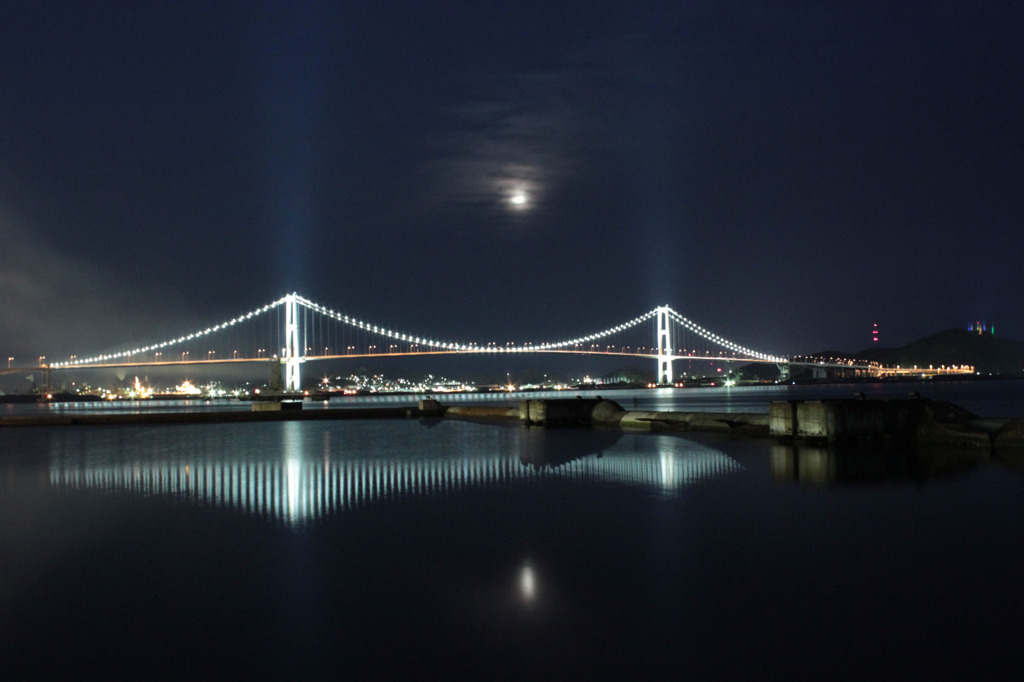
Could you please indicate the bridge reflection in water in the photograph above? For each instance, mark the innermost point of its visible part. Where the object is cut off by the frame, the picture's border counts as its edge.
(297, 486)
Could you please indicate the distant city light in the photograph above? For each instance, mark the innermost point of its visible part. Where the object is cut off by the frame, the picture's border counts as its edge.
(186, 388)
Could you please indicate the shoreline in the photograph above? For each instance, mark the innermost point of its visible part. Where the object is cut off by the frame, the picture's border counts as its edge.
(874, 424)
(210, 417)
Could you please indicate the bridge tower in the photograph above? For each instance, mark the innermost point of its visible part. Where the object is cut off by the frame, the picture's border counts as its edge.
(664, 340)
(783, 371)
(292, 359)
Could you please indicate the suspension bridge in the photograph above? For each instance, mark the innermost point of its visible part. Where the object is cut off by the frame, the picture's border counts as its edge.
(293, 331)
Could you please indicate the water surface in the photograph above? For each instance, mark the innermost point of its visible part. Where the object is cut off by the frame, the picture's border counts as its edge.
(318, 550)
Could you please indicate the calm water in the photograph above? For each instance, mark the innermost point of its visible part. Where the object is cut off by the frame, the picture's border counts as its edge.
(323, 550)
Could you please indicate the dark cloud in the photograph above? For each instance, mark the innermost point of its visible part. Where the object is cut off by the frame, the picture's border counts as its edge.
(54, 303)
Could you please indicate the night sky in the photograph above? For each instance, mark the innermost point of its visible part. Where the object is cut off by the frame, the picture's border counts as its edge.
(784, 173)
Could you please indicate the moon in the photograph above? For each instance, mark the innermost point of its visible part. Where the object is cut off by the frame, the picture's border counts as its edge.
(519, 199)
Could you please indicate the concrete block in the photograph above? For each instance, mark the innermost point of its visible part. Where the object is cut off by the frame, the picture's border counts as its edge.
(429, 405)
(812, 419)
(780, 419)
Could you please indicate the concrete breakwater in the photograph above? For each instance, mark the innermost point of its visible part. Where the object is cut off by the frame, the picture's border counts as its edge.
(864, 423)
(878, 423)
(601, 412)
(212, 417)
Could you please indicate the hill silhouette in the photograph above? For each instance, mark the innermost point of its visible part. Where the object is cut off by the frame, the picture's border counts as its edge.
(987, 353)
